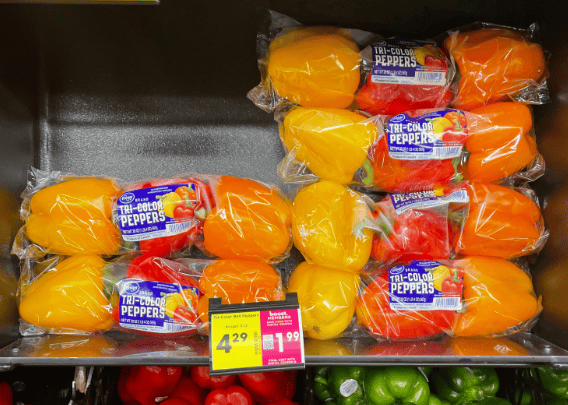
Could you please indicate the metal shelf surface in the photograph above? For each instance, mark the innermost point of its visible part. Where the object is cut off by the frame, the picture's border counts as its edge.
(118, 349)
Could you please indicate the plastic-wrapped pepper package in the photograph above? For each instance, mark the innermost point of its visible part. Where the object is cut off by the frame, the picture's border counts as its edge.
(502, 222)
(64, 295)
(497, 63)
(415, 300)
(68, 215)
(422, 225)
(235, 281)
(402, 75)
(327, 299)
(331, 226)
(316, 67)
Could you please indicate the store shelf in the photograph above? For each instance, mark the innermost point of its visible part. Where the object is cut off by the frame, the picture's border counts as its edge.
(117, 349)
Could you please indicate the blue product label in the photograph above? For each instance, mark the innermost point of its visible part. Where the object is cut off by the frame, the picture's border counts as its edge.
(400, 61)
(434, 136)
(425, 199)
(157, 307)
(156, 212)
(425, 286)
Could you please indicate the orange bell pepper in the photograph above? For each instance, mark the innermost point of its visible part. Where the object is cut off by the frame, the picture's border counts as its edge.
(315, 67)
(495, 125)
(250, 221)
(499, 142)
(493, 63)
(498, 295)
(237, 282)
(501, 222)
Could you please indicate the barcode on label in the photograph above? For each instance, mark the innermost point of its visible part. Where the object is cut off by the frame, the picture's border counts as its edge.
(267, 342)
(447, 303)
(178, 228)
(447, 152)
(430, 77)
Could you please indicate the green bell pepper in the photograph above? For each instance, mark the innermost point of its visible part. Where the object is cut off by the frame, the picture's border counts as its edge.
(460, 385)
(554, 382)
(343, 384)
(436, 400)
(396, 385)
(371, 385)
(558, 401)
(526, 399)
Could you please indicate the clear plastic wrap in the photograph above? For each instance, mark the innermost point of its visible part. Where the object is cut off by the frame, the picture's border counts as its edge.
(331, 226)
(502, 222)
(423, 299)
(419, 226)
(235, 282)
(497, 63)
(416, 300)
(67, 214)
(327, 299)
(403, 75)
(311, 66)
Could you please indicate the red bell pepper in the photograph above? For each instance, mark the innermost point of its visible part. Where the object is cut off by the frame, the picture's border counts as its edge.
(415, 234)
(233, 395)
(196, 202)
(403, 176)
(271, 386)
(145, 384)
(5, 394)
(157, 269)
(189, 391)
(201, 377)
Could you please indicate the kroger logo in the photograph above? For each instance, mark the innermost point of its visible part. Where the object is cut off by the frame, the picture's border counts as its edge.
(398, 118)
(131, 288)
(396, 270)
(127, 198)
(381, 43)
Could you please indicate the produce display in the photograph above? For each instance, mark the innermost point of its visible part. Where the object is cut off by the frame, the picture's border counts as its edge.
(443, 127)
(195, 386)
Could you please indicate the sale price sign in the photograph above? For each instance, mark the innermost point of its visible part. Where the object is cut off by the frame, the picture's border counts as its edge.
(255, 337)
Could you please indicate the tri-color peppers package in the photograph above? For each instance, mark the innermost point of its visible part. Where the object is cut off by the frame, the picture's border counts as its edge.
(404, 75)
(423, 225)
(411, 151)
(228, 217)
(497, 63)
(474, 297)
(315, 67)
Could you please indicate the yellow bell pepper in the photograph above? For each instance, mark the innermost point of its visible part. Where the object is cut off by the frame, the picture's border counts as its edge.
(332, 143)
(66, 237)
(75, 216)
(315, 67)
(83, 199)
(327, 226)
(327, 299)
(69, 296)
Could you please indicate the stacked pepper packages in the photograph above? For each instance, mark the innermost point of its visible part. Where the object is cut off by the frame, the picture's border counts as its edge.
(243, 222)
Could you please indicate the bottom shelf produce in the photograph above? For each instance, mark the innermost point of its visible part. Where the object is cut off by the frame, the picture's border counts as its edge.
(321, 385)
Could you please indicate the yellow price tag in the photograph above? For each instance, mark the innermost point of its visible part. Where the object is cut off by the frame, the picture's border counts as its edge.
(235, 340)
